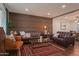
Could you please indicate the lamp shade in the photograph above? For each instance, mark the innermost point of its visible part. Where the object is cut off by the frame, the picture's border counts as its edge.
(45, 27)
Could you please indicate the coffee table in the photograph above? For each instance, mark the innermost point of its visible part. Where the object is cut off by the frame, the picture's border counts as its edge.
(37, 41)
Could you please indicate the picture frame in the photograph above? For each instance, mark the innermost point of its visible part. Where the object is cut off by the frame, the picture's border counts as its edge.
(62, 26)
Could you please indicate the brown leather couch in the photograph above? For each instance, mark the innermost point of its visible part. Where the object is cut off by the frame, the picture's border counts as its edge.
(12, 47)
(35, 35)
(8, 45)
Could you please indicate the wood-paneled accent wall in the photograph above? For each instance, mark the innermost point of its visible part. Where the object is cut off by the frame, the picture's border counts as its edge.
(29, 22)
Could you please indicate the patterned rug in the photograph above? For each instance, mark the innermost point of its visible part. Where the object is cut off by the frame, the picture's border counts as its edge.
(42, 49)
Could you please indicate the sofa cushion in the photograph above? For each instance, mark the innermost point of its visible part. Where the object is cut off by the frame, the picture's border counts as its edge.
(22, 33)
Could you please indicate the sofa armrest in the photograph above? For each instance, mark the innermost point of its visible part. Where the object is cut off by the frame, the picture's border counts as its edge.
(18, 38)
(18, 44)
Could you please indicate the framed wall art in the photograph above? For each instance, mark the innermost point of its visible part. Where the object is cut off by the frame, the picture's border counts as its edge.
(62, 26)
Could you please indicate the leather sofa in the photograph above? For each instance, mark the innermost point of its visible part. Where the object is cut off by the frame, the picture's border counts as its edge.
(34, 36)
(65, 39)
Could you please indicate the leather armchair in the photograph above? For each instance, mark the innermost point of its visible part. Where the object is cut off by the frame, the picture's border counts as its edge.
(12, 47)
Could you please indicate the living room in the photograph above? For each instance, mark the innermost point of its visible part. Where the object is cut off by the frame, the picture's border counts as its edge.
(38, 29)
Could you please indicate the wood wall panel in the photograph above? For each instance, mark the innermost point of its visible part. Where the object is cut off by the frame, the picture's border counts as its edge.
(29, 22)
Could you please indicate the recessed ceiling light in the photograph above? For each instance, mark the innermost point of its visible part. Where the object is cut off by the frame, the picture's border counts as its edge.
(26, 9)
(64, 6)
(49, 14)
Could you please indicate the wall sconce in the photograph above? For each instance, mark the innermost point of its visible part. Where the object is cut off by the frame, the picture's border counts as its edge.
(77, 20)
(45, 27)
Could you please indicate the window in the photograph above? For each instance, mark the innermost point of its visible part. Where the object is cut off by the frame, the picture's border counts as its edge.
(3, 19)
(0, 17)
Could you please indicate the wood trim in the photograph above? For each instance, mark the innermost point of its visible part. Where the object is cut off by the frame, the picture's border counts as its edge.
(32, 15)
(65, 13)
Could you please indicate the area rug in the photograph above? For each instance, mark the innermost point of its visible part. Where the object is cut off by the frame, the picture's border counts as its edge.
(42, 49)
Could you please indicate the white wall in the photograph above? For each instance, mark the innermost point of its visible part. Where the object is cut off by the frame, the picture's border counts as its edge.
(70, 24)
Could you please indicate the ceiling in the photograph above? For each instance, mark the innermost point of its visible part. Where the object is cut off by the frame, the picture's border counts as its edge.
(42, 9)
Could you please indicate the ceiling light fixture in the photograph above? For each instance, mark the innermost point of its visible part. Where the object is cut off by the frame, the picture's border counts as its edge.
(64, 6)
(49, 14)
(26, 9)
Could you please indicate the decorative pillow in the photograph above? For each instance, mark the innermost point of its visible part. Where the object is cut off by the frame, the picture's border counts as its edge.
(28, 35)
(15, 33)
(12, 37)
(22, 33)
(56, 35)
